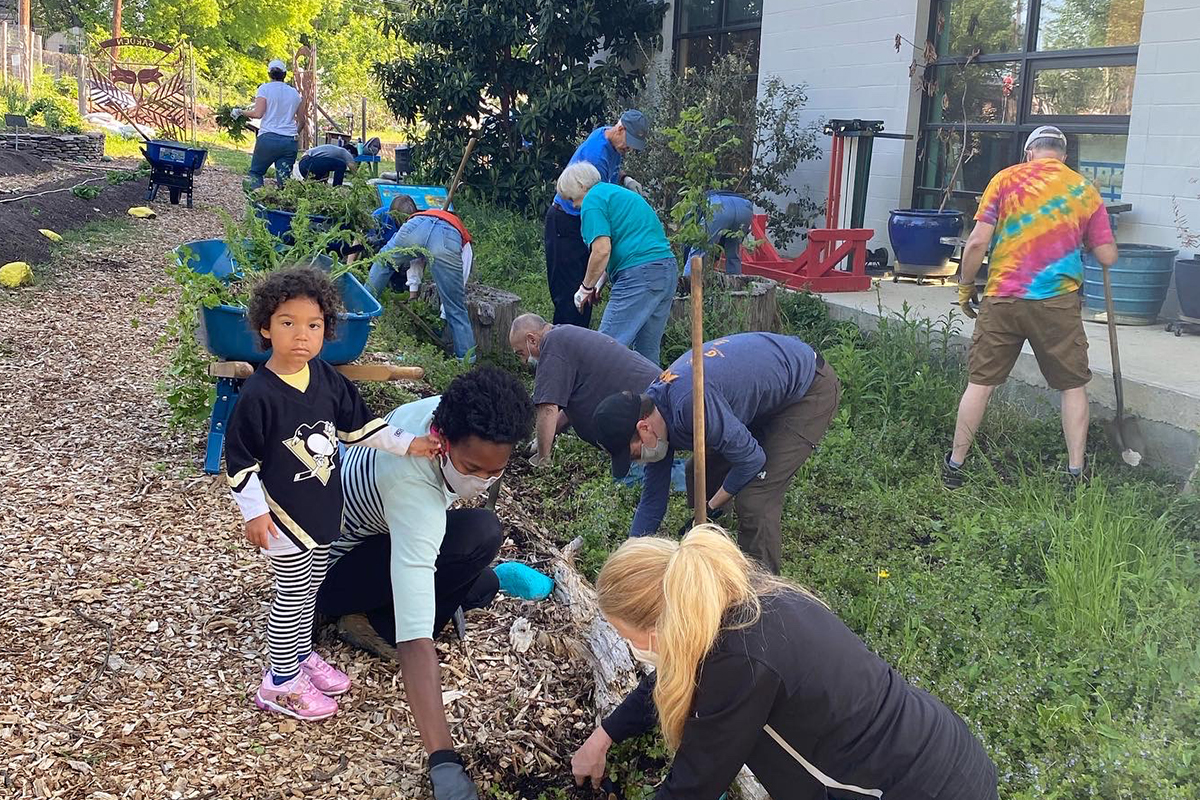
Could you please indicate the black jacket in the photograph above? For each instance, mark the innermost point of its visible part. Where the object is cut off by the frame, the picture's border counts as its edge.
(863, 731)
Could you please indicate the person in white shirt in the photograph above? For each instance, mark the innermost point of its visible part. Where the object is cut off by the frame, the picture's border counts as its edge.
(277, 104)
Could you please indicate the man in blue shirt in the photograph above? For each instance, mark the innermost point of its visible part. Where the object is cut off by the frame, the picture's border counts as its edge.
(768, 400)
(566, 253)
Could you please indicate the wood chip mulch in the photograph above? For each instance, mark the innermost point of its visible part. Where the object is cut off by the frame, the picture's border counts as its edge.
(133, 630)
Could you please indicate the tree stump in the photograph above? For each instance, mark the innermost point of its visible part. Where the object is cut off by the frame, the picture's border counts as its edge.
(492, 312)
(749, 301)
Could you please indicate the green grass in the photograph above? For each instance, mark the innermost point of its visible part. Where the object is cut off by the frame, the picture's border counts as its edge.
(1061, 622)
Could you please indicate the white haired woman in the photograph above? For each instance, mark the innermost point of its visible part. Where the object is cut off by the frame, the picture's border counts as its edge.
(752, 671)
(629, 247)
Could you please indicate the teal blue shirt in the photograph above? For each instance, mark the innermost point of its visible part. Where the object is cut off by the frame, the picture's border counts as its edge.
(628, 220)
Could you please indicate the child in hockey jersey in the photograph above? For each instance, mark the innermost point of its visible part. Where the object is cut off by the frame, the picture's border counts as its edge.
(283, 464)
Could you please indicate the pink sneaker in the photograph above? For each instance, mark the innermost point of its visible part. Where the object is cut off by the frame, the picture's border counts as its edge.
(328, 680)
(297, 698)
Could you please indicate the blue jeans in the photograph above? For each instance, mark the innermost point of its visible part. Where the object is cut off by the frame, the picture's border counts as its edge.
(639, 306)
(319, 167)
(727, 213)
(444, 261)
(272, 148)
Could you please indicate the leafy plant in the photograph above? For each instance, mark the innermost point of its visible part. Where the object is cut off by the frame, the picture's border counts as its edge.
(235, 127)
(86, 192)
(772, 134)
(529, 78)
(699, 147)
(57, 113)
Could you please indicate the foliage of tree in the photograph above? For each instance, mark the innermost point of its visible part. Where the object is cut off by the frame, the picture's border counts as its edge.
(714, 106)
(528, 77)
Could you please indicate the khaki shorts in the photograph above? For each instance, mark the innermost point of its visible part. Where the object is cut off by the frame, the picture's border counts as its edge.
(1054, 329)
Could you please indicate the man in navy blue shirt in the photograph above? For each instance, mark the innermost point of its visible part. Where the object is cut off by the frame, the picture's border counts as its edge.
(566, 252)
(768, 400)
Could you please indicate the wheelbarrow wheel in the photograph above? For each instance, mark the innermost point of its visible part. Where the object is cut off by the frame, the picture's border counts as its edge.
(174, 196)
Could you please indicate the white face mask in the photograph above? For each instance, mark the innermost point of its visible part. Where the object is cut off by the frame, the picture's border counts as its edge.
(647, 657)
(531, 361)
(656, 453)
(465, 486)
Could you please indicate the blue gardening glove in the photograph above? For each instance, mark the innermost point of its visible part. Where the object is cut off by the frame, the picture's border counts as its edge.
(450, 782)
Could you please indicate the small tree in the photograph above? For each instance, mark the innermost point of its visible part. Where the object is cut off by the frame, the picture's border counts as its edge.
(715, 106)
(528, 77)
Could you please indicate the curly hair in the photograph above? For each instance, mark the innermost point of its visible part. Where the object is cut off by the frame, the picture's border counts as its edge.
(486, 402)
(288, 283)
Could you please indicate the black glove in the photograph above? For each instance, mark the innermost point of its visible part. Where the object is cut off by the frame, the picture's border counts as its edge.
(450, 781)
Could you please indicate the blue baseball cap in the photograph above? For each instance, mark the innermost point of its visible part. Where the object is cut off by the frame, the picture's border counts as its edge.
(637, 128)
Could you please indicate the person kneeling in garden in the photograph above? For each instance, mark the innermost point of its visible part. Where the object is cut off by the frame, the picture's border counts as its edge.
(319, 162)
(750, 670)
(768, 400)
(628, 247)
(442, 242)
(405, 564)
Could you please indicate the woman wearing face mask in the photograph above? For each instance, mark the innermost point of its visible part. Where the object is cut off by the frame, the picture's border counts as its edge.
(752, 671)
(405, 564)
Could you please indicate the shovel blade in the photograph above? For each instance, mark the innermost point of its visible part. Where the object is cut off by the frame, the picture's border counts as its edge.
(1127, 439)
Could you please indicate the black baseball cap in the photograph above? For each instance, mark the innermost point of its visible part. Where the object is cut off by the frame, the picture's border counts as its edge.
(615, 420)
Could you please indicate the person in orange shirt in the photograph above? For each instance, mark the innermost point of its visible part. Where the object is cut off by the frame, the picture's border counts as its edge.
(1036, 217)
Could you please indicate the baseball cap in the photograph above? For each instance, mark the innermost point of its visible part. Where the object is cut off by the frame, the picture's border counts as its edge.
(277, 64)
(1045, 132)
(615, 420)
(637, 128)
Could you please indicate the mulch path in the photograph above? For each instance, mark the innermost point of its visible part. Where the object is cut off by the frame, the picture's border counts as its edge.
(133, 631)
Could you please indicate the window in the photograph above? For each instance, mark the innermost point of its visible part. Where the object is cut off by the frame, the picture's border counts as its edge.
(705, 30)
(1068, 63)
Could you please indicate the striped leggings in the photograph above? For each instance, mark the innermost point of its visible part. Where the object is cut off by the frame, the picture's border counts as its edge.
(298, 576)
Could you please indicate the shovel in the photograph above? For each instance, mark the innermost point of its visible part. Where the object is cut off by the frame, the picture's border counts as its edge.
(1125, 434)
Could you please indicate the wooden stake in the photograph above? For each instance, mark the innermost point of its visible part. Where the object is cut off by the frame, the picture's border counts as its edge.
(458, 175)
(699, 485)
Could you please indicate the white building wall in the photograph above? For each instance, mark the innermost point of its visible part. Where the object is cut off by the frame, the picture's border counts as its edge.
(843, 50)
(1163, 157)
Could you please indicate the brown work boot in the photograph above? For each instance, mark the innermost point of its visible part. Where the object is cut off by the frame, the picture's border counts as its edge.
(356, 630)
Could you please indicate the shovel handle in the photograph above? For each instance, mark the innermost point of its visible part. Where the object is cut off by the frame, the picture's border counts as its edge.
(1111, 317)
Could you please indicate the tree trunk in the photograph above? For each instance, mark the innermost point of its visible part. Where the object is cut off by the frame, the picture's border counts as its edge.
(492, 312)
(750, 301)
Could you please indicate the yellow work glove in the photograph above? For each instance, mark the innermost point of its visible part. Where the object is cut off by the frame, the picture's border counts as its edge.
(49, 234)
(142, 212)
(968, 298)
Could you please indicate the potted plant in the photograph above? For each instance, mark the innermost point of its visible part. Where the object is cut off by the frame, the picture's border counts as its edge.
(1187, 270)
(916, 234)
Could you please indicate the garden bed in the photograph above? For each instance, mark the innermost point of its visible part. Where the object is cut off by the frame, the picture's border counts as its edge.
(61, 212)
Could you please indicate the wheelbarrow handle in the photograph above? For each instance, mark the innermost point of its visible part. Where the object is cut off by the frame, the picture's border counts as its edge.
(240, 370)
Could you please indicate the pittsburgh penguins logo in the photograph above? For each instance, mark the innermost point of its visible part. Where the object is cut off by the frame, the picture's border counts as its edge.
(315, 446)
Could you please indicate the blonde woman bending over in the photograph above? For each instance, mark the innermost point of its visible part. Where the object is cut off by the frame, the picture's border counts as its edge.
(752, 671)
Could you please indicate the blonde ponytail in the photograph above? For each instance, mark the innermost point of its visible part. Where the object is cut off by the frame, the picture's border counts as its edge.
(686, 592)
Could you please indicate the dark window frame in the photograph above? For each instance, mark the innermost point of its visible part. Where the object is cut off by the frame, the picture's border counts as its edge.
(1030, 61)
(716, 32)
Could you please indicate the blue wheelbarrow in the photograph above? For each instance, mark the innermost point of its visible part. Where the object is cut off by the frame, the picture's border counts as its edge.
(225, 332)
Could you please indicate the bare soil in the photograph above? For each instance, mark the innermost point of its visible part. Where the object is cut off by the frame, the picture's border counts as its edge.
(13, 162)
(61, 212)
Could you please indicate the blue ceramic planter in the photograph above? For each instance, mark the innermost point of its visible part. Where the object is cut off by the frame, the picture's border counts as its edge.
(916, 233)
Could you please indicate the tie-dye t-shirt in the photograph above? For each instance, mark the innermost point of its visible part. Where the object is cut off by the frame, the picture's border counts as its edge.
(1044, 212)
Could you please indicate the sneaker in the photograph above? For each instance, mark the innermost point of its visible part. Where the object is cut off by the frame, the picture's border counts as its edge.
(356, 630)
(952, 477)
(328, 680)
(297, 698)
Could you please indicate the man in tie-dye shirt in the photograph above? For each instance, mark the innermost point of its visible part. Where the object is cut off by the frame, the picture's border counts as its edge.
(1036, 217)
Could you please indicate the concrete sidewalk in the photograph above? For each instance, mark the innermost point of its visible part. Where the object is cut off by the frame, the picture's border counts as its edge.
(1161, 371)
